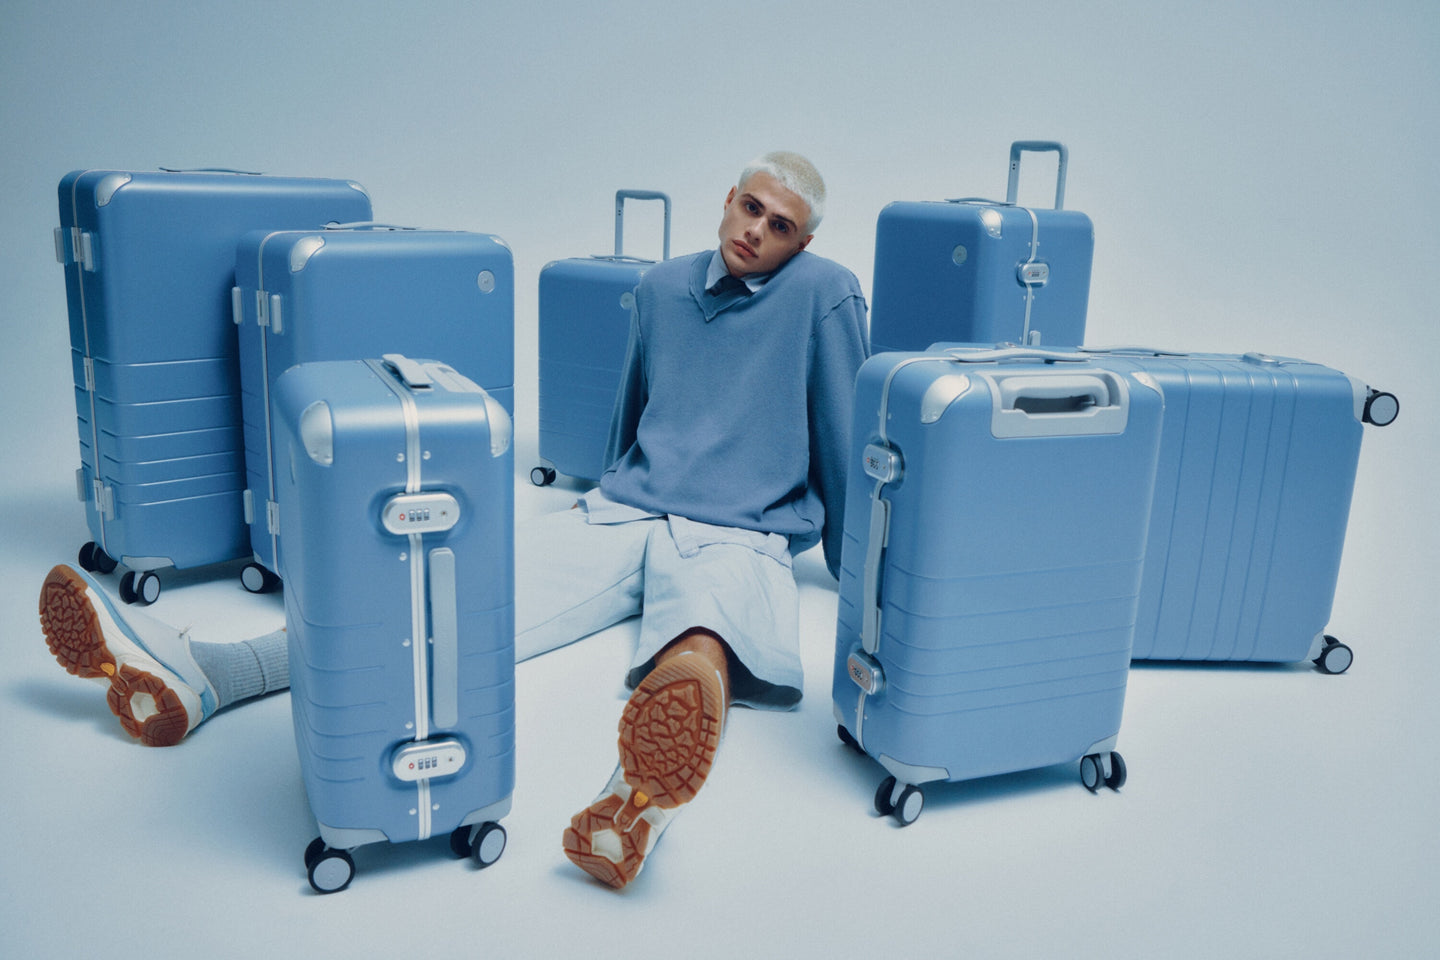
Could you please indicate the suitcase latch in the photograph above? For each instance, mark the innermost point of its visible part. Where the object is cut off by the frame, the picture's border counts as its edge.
(428, 760)
(866, 672)
(1033, 274)
(410, 513)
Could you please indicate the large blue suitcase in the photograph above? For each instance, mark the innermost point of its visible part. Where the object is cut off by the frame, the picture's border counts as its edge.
(585, 305)
(149, 263)
(354, 291)
(981, 271)
(396, 512)
(1252, 496)
(995, 521)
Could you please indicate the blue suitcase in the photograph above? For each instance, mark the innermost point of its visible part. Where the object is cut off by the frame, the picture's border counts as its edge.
(1252, 496)
(396, 512)
(980, 271)
(355, 291)
(995, 520)
(149, 263)
(585, 307)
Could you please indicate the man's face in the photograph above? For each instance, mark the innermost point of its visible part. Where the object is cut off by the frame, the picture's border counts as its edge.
(762, 226)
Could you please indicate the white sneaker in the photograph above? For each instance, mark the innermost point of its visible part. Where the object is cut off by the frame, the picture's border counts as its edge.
(157, 689)
(669, 733)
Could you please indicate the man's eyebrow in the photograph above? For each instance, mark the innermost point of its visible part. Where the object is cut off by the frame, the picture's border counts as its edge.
(747, 195)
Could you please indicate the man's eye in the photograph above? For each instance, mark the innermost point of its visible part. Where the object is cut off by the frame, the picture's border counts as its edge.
(780, 226)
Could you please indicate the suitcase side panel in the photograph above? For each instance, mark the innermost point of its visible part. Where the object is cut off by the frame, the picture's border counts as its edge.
(1252, 500)
(585, 308)
(948, 271)
(348, 590)
(148, 276)
(1007, 606)
(349, 294)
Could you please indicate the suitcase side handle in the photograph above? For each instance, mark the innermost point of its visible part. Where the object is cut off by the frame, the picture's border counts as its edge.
(1037, 146)
(365, 225)
(239, 173)
(444, 639)
(620, 197)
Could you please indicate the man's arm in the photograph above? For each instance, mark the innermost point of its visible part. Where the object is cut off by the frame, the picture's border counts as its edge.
(630, 397)
(839, 349)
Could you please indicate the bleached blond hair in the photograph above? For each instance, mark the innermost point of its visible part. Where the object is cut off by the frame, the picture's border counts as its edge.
(794, 173)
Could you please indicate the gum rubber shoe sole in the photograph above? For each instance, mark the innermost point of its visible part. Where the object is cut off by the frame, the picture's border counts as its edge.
(669, 733)
(148, 709)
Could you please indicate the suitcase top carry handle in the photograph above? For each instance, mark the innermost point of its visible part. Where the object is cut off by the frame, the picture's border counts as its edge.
(409, 371)
(1037, 146)
(620, 197)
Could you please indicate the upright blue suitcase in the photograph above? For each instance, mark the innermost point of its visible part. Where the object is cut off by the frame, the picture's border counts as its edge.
(149, 263)
(995, 520)
(396, 511)
(981, 271)
(585, 305)
(356, 291)
(1252, 496)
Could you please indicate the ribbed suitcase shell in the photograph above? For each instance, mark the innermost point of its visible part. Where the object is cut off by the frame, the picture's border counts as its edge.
(1252, 497)
(149, 263)
(363, 291)
(981, 271)
(368, 671)
(1011, 564)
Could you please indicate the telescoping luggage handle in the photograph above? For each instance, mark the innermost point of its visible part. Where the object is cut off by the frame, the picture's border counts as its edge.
(620, 197)
(1012, 189)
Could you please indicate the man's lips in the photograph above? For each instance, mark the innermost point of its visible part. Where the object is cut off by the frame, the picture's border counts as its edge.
(743, 248)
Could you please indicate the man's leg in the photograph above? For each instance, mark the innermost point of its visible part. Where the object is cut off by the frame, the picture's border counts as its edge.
(161, 684)
(685, 676)
(669, 733)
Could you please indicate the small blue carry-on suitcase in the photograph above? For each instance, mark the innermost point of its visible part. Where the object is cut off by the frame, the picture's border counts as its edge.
(995, 520)
(149, 262)
(356, 291)
(980, 271)
(585, 307)
(1252, 495)
(397, 519)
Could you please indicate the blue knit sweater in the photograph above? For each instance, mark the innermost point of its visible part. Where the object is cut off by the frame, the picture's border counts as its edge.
(735, 409)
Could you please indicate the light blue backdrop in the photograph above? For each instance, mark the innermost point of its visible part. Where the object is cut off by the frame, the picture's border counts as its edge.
(1261, 175)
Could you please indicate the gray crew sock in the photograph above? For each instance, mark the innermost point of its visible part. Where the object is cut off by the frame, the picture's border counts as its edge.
(246, 669)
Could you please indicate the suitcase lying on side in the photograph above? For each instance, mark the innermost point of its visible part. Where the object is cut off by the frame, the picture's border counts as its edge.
(980, 271)
(397, 518)
(1252, 496)
(585, 305)
(356, 291)
(995, 521)
(149, 262)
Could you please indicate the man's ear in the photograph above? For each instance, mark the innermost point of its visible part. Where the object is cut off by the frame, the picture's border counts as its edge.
(729, 197)
(806, 242)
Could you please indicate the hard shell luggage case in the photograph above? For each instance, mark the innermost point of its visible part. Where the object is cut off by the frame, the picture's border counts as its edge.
(149, 263)
(981, 271)
(585, 305)
(396, 512)
(1252, 496)
(353, 291)
(995, 521)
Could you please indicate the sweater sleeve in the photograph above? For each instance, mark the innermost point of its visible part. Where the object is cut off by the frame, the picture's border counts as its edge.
(631, 396)
(839, 348)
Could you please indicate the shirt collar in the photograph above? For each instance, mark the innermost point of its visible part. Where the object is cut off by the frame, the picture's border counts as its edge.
(718, 271)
